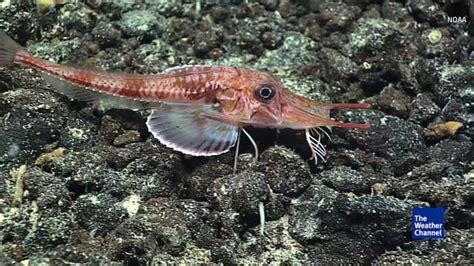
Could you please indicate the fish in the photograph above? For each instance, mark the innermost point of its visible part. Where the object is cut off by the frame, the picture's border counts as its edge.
(198, 110)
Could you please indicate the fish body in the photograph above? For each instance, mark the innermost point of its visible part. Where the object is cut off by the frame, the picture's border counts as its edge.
(198, 110)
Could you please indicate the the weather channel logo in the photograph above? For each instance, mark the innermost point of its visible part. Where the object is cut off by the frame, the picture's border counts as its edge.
(428, 223)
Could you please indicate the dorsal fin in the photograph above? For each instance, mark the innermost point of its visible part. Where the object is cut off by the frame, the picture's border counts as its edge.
(198, 69)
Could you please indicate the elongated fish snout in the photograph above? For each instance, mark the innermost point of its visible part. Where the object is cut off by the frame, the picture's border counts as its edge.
(333, 106)
(302, 113)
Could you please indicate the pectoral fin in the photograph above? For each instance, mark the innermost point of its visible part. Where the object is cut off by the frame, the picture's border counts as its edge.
(192, 129)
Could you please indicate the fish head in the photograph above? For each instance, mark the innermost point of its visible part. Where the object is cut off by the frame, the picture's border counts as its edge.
(260, 100)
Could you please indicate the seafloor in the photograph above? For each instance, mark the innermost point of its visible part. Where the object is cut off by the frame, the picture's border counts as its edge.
(89, 186)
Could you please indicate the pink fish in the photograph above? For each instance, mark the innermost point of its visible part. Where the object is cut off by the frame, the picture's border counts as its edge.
(197, 110)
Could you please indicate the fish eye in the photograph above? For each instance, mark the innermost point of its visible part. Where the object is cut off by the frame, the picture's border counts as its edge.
(265, 92)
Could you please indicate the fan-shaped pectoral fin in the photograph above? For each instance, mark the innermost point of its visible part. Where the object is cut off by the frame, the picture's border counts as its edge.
(192, 129)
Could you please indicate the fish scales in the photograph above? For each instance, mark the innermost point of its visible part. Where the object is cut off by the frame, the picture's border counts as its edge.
(178, 85)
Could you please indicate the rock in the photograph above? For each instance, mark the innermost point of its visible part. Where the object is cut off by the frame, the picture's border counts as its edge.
(344, 179)
(206, 41)
(394, 101)
(358, 159)
(442, 184)
(151, 57)
(389, 213)
(433, 171)
(219, 14)
(454, 151)
(78, 134)
(7, 82)
(453, 111)
(440, 43)
(372, 35)
(271, 40)
(335, 41)
(338, 16)
(46, 189)
(285, 171)
(166, 8)
(56, 51)
(314, 89)
(5, 260)
(117, 7)
(127, 137)
(241, 192)
(392, 138)
(321, 213)
(336, 66)
(455, 82)
(98, 214)
(202, 177)
(270, 5)
(120, 158)
(394, 10)
(249, 40)
(84, 173)
(160, 224)
(279, 246)
(110, 129)
(308, 213)
(409, 77)
(107, 35)
(48, 5)
(19, 22)
(435, 253)
(76, 164)
(295, 52)
(423, 109)
(139, 168)
(141, 23)
(155, 174)
(53, 229)
(277, 206)
(43, 121)
(427, 10)
(75, 16)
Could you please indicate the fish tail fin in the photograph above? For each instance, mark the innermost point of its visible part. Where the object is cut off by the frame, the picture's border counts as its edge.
(8, 50)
